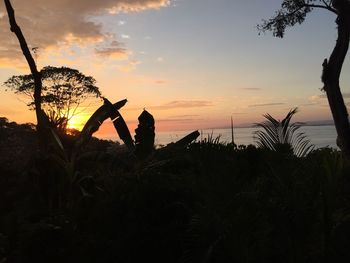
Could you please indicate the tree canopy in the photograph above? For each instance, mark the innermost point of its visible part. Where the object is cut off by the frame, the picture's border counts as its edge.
(294, 12)
(63, 90)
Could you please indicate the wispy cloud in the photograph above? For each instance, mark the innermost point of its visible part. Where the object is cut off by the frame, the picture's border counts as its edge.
(345, 96)
(239, 113)
(178, 104)
(252, 89)
(184, 116)
(309, 104)
(183, 104)
(125, 36)
(118, 53)
(137, 5)
(130, 66)
(180, 120)
(267, 104)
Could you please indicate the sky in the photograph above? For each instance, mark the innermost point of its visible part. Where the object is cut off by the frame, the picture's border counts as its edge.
(191, 63)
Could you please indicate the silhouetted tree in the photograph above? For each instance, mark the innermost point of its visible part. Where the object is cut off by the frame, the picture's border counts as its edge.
(63, 90)
(294, 12)
(41, 120)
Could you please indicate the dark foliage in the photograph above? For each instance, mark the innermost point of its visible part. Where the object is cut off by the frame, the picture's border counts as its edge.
(207, 202)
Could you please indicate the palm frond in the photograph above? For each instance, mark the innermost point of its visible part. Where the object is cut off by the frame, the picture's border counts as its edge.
(274, 133)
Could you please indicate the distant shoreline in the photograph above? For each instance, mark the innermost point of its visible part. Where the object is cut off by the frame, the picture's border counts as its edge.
(321, 123)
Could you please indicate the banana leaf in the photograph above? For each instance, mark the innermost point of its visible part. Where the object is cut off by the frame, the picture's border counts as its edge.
(122, 129)
(171, 148)
(97, 118)
(187, 139)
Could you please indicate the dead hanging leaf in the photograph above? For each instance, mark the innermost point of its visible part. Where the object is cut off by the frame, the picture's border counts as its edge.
(122, 129)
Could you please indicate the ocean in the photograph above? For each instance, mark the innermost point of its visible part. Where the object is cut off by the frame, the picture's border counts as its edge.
(320, 136)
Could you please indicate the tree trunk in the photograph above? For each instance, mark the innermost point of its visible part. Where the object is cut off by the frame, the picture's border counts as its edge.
(40, 115)
(330, 78)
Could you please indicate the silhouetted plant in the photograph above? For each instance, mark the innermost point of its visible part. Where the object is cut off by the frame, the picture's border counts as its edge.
(282, 135)
(144, 137)
(66, 158)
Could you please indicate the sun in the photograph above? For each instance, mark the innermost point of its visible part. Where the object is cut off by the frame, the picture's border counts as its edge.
(76, 123)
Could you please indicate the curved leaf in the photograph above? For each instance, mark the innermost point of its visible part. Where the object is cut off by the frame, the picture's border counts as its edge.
(97, 118)
(275, 133)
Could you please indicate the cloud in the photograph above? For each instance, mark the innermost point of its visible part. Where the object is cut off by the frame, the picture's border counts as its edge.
(267, 104)
(136, 5)
(124, 36)
(180, 120)
(63, 22)
(321, 100)
(252, 89)
(130, 66)
(184, 116)
(309, 104)
(239, 113)
(183, 104)
(159, 82)
(117, 53)
(345, 96)
(178, 104)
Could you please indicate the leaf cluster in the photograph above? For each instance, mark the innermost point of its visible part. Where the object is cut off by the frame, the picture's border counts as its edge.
(278, 135)
(292, 12)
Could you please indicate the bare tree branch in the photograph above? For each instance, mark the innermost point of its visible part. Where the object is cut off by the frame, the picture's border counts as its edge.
(26, 52)
(327, 7)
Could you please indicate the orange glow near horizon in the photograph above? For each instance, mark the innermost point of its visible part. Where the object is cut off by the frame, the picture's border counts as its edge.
(76, 122)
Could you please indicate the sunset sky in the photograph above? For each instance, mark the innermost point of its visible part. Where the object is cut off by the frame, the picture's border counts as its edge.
(192, 63)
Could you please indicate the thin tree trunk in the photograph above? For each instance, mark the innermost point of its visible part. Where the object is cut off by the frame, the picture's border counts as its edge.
(330, 78)
(31, 62)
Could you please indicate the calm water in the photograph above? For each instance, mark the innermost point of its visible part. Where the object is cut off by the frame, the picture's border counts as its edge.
(321, 136)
